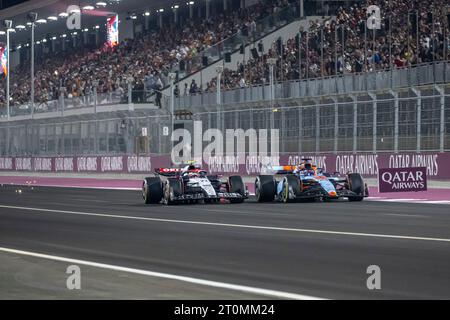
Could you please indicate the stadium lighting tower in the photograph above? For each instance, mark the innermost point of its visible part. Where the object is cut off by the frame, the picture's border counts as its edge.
(191, 9)
(208, 8)
(175, 13)
(219, 70)
(8, 26)
(31, 17)
(130, 81)
(301, 8)
(160, 17)
(95, 85)
(172, 77)
(272, 62)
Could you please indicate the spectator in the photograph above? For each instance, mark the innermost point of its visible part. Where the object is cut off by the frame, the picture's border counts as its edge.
(242, 83)
(193, 88)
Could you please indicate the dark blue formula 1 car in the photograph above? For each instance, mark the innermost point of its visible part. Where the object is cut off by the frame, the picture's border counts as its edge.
(307, 182)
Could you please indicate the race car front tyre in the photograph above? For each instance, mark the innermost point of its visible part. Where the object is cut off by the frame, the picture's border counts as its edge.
(152, 190)
(172, 187)
(236, 185)
(290, 182)
(356, 185)
(265, 188)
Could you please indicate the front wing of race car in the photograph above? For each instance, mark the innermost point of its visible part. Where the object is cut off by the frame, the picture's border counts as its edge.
(326, 189)
(343, 191)
(317, 192)
(203, 196)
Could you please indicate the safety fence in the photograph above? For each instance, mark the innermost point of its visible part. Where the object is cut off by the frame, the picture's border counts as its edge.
(352, 83)
(417, 119)
(424, 74)
(76, 136)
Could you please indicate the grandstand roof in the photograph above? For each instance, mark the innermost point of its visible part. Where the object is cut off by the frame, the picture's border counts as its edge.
(46, 8)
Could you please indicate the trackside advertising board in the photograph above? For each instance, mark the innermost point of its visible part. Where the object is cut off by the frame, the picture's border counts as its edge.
(402, 179)
(366, 164)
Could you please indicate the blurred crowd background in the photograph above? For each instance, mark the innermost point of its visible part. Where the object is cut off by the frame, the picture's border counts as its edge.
(412, 32)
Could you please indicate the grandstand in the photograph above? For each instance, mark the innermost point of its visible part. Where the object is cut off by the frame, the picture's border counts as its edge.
(148, 56)
(318, 72)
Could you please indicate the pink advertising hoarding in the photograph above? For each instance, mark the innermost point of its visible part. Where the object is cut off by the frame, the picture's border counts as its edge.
(437, 164)
(402, 179)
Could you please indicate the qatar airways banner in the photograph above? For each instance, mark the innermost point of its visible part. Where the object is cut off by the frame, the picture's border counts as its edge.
(366, 164)
(97, 164)
(402, 179)
(436, 164)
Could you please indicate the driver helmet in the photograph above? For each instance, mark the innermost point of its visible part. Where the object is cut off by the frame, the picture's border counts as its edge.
(308, 166)
(192, 174)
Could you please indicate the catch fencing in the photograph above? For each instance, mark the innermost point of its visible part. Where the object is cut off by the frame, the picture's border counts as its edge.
(411, 120)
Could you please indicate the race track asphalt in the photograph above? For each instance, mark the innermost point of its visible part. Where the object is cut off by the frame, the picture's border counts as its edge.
(310, 249)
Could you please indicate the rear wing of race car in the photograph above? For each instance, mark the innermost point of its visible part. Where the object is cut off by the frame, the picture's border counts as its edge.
(285, 169)
(282, 169)
(168, 172)
(173, 172)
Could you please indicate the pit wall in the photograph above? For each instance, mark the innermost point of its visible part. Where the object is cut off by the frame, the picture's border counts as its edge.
(437, 164)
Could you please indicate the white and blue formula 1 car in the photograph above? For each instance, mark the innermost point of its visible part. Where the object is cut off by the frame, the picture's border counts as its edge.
(190, 185)
(307, 182)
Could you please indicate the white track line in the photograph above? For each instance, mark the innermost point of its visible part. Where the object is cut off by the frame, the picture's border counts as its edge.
(396, 199)
(404, 215)
(419, 201)
(230, 225)
(438, 201)
(72, 187)
(423, 201)
(203, 282)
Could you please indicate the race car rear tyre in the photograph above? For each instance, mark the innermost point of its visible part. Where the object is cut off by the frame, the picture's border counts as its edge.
(265, 188)
(356, 185)
(173, 186)
(152, 190)
(292, 182)
(236, 185)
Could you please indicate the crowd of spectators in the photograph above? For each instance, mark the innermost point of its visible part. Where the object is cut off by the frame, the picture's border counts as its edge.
(147, 59)
(330, 46)
(342, 45)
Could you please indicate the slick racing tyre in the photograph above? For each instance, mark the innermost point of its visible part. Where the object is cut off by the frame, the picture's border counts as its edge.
(152, 190)
(290, 182)
(172, 187)
(236, 185)
(265, 188)
(356, 184)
